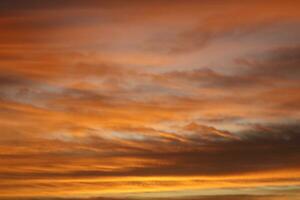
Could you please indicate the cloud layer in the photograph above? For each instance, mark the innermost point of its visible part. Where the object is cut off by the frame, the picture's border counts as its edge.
(149, 99)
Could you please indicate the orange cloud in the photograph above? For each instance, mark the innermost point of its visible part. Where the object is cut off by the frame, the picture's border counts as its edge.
(149, 99)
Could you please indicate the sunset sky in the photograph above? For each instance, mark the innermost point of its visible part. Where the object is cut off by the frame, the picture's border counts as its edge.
(150, 99)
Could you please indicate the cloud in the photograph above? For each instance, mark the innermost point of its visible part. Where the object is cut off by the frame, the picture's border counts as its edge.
(133, 99)
(187, 156)
(281, 63)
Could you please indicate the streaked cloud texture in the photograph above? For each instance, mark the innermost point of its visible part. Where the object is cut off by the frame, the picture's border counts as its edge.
(104, 100)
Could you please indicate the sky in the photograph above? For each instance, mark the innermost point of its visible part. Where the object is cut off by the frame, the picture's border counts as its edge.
(149, 99)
